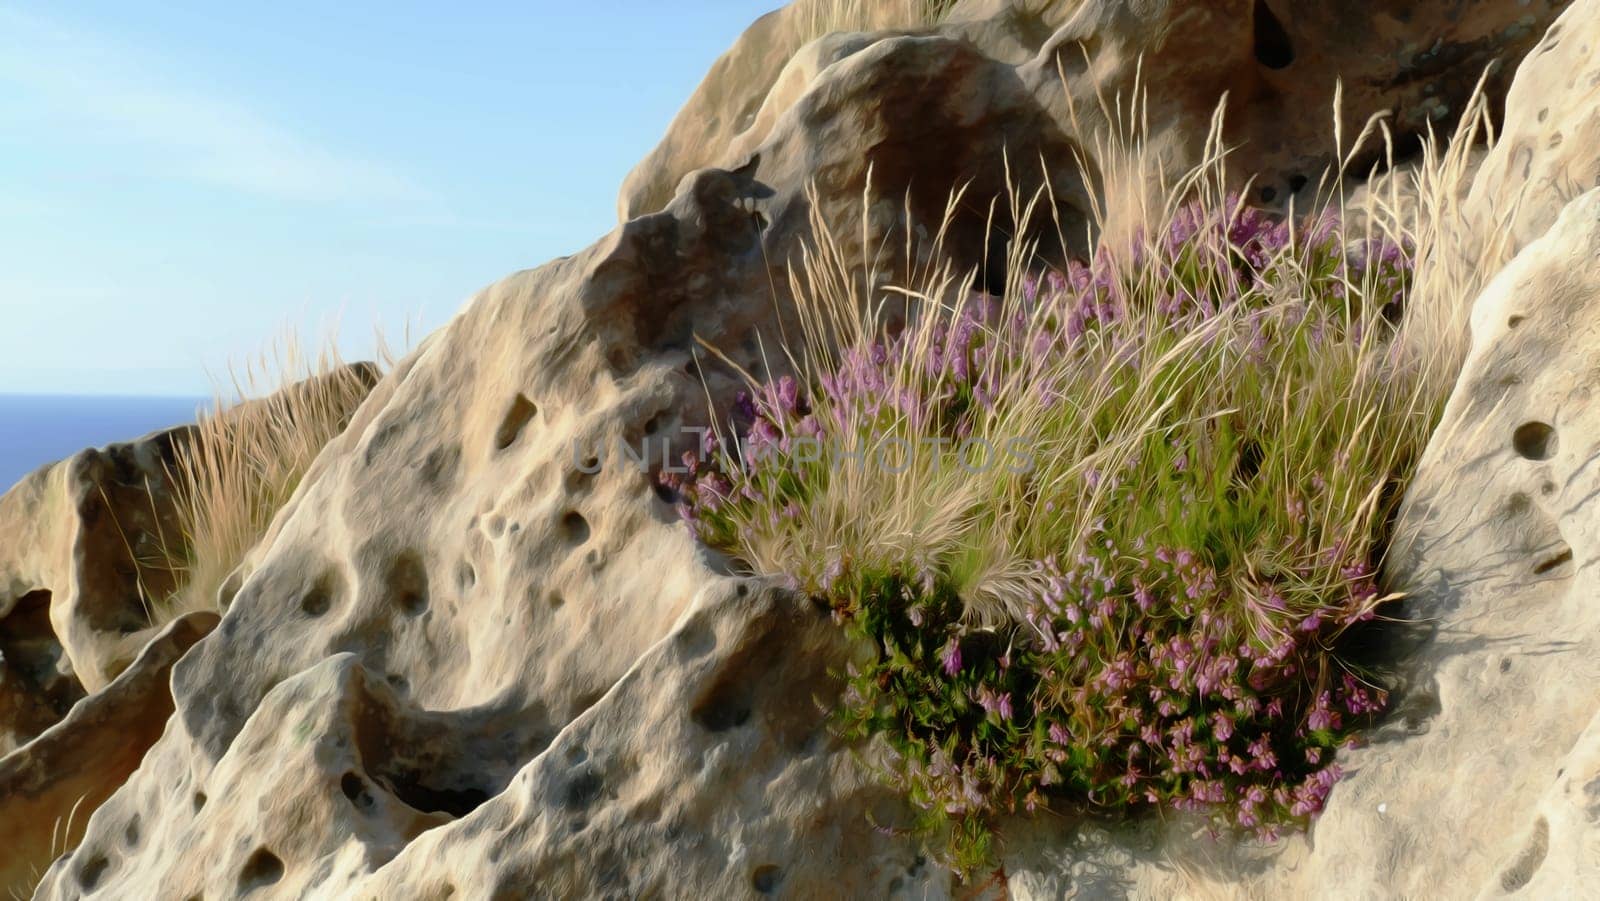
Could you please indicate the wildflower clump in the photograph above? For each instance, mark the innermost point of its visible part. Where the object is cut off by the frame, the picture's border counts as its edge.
(1107, 531)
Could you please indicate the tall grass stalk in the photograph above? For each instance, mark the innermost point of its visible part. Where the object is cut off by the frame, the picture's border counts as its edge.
(1217, 415)
(250, 451)
(828, 16)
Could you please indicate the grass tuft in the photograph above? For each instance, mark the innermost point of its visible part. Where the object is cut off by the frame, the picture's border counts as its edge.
(828, 16)
(1110, 530)
(247, 459)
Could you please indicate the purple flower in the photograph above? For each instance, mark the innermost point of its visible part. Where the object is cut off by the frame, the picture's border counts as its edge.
(950, 657)
(996, 702)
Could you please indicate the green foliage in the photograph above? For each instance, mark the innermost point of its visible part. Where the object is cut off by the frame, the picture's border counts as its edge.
(1192, 447)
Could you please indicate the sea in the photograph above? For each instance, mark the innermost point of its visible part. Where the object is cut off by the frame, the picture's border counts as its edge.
(36, 429)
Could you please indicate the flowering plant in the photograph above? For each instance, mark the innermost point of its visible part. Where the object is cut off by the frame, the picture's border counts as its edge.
(1149, 614)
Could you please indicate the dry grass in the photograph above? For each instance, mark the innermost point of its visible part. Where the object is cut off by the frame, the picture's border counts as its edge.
(828, 16)
(248, 458)
(1376, 404)
(1218, 417)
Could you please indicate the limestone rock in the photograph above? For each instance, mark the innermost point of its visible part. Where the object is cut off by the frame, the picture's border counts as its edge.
(1549, 149)
(1276, 61)
(49, 787)
(1505, 524)
(478, 655)
(90, 540)
(35, 688)
(1478, 782)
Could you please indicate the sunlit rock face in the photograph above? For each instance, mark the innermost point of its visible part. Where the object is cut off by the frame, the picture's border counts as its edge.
(477, 656)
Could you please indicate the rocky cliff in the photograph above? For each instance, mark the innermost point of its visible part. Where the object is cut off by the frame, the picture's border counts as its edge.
(477, 656)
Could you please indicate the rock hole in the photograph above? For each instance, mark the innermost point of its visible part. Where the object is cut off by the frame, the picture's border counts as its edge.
(261, 870)
(575, 527)
(556, 600)
(1296, 182)
(652, 425)
(1505, 665)
(1269, 194)
(1272, 45)
(319, 598)
(1552, 562)
(1534, 440)
(665, 493)
(355, 789)
(1528, 862)
(130, 832)
(92, 870)
(458, 802)
(1515, 321)
(466, 575)
(765, 879)
(722, 710)
(407, 583)
(584, 789)
(511, 425)
(496, 526)
(439, 467)
(199, 801)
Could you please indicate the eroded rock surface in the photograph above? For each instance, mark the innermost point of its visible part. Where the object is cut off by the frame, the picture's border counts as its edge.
(89, 536)
(1277, 62)
(49, 787)
(477, 655)
(1547, 153)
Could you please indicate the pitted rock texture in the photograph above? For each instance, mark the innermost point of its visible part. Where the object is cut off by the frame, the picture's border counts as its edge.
(49, 787)
(89, 534)
(1506, 528)
(1277, 61)
(1549, 149)
(474, 564)
(95, 540)
(477, 656)
(1483, 782)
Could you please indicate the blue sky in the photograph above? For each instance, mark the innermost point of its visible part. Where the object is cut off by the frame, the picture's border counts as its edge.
(182, 182)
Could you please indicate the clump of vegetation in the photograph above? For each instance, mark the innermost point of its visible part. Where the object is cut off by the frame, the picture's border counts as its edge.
(1108, 531)
(827, 16)
(246, 459)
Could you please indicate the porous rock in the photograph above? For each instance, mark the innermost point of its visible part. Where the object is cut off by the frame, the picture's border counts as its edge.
(1279, 64)
(90, 538)
(1548, 150)
(49, 787)
(477, 655)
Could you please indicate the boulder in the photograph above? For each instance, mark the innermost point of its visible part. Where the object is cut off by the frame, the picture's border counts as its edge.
(477, 655)
(94, 537)
(95, 540)
(1548, 151)
(49, 787)
(1084, 60)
